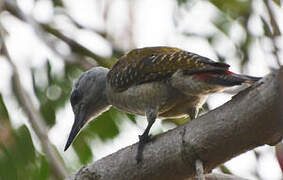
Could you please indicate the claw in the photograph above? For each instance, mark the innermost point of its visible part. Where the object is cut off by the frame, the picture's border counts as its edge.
(145, 138)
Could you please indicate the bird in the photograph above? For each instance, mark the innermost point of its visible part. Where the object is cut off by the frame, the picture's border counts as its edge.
(155, 82)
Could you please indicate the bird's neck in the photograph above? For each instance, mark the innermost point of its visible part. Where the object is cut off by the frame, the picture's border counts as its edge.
(101, 103)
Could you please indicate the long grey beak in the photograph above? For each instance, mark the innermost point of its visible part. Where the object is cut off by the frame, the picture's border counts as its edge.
(78, 124)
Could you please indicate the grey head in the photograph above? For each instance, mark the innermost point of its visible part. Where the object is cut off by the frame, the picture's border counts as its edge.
(88, 99)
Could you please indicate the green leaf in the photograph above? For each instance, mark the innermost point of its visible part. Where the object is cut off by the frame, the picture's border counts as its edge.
(223, 24)
(19, 159)
(47, 111)
(132, 117)
(43, 171)
(3, 110)
(243, 51)
(24, 151)
(83, 151)
(104, 126)
(182, 2)
(267, 30)
(58, 3)
(233, 8)
(7, 167)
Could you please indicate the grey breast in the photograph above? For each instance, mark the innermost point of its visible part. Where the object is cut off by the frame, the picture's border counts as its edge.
(138, 99)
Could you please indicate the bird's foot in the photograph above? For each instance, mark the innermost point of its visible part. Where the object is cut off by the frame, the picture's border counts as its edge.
(143, 139)
(199, 170)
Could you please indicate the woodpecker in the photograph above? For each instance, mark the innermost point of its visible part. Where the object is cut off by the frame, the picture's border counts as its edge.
(156, 82)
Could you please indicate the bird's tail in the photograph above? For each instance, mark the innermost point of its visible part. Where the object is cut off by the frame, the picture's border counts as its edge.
(228, 78)
(246, 79)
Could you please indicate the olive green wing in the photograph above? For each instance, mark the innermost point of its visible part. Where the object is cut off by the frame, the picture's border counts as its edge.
(157, 64)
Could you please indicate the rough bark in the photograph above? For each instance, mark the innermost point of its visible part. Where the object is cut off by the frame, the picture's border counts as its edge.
(252, 118)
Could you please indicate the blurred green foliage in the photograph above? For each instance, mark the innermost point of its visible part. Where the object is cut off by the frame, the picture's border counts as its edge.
(55, 94)
(18, 157)
(233, 8)
(103, 127)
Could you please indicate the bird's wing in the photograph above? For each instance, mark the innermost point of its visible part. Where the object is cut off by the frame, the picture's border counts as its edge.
(156, 64)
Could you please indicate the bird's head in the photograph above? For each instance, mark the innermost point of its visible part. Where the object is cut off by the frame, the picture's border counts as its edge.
(88, 99)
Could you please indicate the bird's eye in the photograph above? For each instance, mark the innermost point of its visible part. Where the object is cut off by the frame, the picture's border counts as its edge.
(75, 97)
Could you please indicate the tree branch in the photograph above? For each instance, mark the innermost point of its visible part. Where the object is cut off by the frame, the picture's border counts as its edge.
(252, 118)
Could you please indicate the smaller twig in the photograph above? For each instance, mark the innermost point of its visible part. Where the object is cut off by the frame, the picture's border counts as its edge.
(273, 22)
(275, 31)
(75, 46)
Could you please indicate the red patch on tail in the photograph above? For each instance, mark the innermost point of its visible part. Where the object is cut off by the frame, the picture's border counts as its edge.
(204, 76)
(229, 72)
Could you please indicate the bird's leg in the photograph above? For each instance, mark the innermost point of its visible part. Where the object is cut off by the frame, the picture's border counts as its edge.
(193, 113)
(144, 138)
